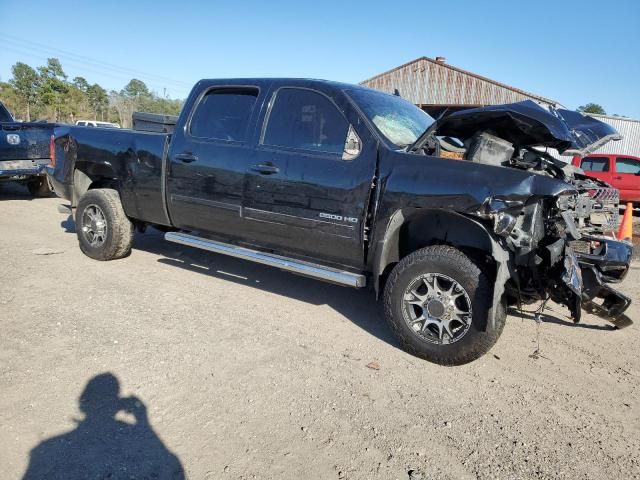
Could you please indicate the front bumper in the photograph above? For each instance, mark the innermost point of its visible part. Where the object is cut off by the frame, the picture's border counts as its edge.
(19, 169)
(607, 262)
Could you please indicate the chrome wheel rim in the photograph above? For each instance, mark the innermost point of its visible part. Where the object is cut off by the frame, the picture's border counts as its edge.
(437, 308)
(94, 225)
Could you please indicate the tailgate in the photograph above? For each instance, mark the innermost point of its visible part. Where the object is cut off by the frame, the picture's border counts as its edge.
(24, 141)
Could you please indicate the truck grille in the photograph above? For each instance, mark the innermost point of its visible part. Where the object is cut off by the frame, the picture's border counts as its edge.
(604, 208)
(596, 210)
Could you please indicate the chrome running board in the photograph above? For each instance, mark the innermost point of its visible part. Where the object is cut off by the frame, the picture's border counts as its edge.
(303, 268)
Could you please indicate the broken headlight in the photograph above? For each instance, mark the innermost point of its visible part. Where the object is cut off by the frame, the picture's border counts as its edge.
(503, 223)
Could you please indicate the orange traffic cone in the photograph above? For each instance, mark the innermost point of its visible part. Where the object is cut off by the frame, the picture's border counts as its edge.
(626, 227)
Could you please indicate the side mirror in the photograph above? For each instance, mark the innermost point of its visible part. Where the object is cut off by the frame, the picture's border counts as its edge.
(352, 146)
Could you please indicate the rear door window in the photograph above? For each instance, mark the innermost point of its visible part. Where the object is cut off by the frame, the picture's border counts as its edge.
(595, 164)
(627, 165)
(224, 114)
(305, 120)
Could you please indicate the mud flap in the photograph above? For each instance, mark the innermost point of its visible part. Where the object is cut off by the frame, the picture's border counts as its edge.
(503, 274)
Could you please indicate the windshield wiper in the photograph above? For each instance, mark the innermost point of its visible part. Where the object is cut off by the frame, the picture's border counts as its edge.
(424, 138)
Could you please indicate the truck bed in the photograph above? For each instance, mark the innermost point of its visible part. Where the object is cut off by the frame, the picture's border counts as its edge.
(132, 159)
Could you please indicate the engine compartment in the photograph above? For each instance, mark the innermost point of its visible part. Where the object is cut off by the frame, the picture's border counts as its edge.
(594, 210)
(561, 248)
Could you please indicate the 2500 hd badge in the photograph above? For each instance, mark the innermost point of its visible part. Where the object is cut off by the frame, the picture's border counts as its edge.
(338, 218)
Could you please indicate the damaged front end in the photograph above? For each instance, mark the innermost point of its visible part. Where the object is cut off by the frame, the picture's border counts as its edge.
(559, 238)
(581, 266)
(550, 256)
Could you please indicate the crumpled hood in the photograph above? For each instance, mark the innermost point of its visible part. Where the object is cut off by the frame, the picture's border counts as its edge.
(527, 124)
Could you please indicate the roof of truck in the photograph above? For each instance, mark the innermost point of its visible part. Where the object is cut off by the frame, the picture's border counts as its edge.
(288, 81)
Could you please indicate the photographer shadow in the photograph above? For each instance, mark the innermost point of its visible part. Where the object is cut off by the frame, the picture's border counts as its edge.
(102, 446)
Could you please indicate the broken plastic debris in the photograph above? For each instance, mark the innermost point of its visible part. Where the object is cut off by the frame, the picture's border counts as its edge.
(46, 251)
(373, 365)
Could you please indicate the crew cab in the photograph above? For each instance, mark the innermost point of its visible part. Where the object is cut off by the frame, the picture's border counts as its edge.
(620, 171)
(24, 152)
(348, 185)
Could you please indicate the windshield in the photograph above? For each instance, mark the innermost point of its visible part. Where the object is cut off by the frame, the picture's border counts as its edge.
(397, 120)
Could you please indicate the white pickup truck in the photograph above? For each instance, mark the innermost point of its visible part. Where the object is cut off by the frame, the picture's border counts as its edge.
(95, 123)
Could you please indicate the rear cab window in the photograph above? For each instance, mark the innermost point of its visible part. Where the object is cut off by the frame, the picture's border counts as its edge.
(303, 119)
(223, 113)
(627, 165)
(595, 164)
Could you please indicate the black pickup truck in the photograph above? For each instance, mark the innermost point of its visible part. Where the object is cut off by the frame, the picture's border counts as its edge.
(350, 185)
(24, 152)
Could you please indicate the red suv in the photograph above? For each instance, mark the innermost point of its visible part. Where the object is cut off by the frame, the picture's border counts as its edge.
(620, 171)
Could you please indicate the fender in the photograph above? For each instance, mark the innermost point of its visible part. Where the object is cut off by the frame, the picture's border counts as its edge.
(444, 227)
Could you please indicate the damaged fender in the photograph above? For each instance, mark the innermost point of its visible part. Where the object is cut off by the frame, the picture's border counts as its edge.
(473, 234)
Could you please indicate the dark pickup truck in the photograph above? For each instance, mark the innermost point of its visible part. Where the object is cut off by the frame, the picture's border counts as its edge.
(349, 185)
(24, 152)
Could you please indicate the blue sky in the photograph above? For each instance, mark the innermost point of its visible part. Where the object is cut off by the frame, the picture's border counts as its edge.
(572, 51)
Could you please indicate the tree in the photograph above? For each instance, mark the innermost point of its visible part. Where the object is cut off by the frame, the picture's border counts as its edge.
(25, 83)
(46, 92)
(76, 104)
(592, 108)
(124, 107)
(98, 100)
(53, 86)
(136, 89)
(9, 97)
(81, 83)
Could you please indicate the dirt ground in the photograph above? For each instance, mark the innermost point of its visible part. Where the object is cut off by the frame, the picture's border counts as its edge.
(228, 369)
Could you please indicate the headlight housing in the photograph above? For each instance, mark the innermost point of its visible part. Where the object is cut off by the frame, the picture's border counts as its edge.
(503, 223)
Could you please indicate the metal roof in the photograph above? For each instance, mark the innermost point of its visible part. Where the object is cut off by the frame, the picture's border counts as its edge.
(630, 131)
(425, 81)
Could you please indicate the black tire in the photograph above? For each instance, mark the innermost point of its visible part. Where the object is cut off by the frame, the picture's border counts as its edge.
(118, 234)
(452, 263)
(39, 187)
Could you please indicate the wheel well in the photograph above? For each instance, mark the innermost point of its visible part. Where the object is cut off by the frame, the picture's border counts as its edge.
(89, 175)
(410, 232)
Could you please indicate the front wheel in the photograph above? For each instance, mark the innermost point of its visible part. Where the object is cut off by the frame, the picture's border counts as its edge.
(104, 230)
(437, 302)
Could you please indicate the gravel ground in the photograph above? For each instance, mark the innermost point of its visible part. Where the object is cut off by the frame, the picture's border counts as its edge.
(228, 369)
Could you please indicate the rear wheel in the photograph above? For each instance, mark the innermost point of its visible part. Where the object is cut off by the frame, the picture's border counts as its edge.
(437, 302)
(104, 230)
(39, 187)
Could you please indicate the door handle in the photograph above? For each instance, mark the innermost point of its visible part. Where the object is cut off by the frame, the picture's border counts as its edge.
(267, 168)
(186, 157)
(617, 177)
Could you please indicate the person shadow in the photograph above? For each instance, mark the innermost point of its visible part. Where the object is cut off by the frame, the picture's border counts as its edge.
(102, 446)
